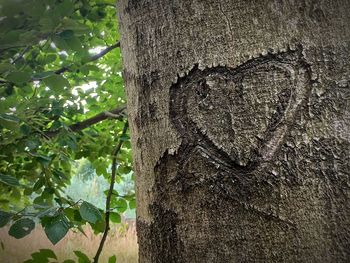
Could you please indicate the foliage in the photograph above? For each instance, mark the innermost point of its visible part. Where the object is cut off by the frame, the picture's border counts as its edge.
(94, 190)
(42, 256)
(60, 66)
(47, 255)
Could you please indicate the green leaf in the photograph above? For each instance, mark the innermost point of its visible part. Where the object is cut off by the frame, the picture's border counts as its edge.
(112, 259)
(49, 58)
(82, 258)
(48, 253)
(5, 67)
(8, 121)
(120, 204)
(66, 34)
(39, 184)
(124, 169)
(115, 217)
(4, 218)
(38, 258)
(42, 159)
(25, 129)
(85, 69)
(10, 39)
(89, 212)
(66, 8)
(57, 228)
(132, 204)
(35, 9)
(74, 44)
(114, 193)
(69, 212)
(81, 230)
(8, 117)
(69, 261)
(9, 180)
(77, 27)
(112, 2)
(42, 256)
(18, 77)
(124, 138)
(56, 82)
(21, 228)
(99, 227)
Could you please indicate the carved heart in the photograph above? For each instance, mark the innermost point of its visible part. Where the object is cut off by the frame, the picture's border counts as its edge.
(240, 114)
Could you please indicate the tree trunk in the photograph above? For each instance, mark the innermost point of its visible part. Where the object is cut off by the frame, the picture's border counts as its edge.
(240, 123)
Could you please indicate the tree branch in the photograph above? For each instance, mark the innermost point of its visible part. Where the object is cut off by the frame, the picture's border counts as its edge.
(110, 192)
(65, 69)
(93, 58)
(25, 50)
(116, 113)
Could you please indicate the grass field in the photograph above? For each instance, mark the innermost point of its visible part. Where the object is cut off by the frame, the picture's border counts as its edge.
(121, 242)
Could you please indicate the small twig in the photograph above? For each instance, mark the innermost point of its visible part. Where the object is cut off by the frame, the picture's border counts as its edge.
(110, 193)
(20, 211)
(4, 81)
(21, 55)
(115, 113)
(75, 203)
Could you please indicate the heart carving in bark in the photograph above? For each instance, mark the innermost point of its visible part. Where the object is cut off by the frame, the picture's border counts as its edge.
(240, 116)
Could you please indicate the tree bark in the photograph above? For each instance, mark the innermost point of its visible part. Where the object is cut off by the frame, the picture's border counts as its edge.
(240, 123)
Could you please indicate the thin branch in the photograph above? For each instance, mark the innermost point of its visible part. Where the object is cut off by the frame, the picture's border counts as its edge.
(25, 50)
(67, 68)
(116, 113)
(93, 58)
(4, 81)
(110, 192)
(11, 47)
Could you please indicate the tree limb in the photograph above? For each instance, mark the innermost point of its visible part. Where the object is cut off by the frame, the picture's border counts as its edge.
(116, 113)
(93, 58)
(110, 192)
(65, 69)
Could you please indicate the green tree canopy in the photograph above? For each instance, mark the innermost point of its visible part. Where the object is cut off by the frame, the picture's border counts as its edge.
(61, 100)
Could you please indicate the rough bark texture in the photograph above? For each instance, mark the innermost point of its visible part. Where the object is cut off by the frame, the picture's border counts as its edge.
(240, 122)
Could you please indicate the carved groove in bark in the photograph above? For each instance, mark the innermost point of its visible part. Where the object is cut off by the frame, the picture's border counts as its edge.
(216, 101)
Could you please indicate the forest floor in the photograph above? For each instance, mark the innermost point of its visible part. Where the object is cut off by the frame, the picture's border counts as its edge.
(121, 242)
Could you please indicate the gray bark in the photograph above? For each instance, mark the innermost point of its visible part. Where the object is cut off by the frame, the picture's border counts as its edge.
(240, 124)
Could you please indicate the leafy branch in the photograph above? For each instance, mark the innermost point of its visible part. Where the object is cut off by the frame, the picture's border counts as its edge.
(37, 104)
(110, 192)
(92, 58)
(66, 68)
(116, 113)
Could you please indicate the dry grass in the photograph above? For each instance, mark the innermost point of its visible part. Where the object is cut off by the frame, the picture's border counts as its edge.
(121, 242)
